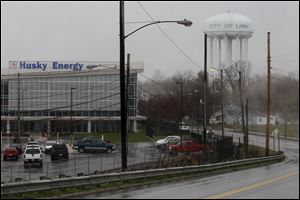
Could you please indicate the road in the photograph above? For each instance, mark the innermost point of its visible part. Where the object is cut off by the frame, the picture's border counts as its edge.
(278, 181)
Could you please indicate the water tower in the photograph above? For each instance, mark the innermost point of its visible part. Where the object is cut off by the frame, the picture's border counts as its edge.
(228, 35)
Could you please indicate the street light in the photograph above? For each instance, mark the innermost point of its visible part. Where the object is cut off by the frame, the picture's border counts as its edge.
(184, 22)
(23, 109)
(71, 113)
(122, 77)
(222, 111)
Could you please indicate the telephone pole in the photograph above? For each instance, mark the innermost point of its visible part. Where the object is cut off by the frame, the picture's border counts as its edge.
(205, 89)
(269, 98)
(222, 102)
(242, 108)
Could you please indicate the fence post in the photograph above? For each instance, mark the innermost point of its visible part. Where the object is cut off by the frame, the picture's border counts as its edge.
(134, 154)
(114, 161)
(75, 166)
(29, 172)
(11, 178)
(60, 172)
(88, 164)
(278, 141)
(101, 163)
(47, 169)
(145, 154)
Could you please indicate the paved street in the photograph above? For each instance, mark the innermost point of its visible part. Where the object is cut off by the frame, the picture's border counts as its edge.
(278, 181)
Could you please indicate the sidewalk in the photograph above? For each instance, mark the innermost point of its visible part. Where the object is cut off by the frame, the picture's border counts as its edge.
(262, 134)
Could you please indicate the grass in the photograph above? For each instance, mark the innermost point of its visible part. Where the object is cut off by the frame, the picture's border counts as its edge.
(291, 130)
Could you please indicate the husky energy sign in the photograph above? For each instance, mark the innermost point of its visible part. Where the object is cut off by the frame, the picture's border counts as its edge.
(40, 66)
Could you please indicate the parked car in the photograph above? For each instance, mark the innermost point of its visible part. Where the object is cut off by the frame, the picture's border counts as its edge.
(162, 142)
(33, 155)
(59, 151)
(33, 142)
(48, 146)
(10, 153)
(187, 146)
(18, 146)
(33, 146)
(93, 145)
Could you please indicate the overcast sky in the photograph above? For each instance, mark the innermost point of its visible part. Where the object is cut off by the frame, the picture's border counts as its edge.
(89, 31)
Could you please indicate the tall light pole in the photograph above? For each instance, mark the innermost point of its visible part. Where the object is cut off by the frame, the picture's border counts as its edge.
(242, 110)
(17, 138)
(23, 110)
(122, 78)
(71, 112)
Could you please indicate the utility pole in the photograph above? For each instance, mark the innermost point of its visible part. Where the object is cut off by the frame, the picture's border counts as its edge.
(205, 89)
(127, 96)
(180, 117)
(19, 125)
(242, 108)
(222, 112)
(247, 128)
(122, 90)
(269, 98)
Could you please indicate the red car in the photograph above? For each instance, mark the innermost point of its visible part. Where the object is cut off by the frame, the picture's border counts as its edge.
(186, 146)
(10, 152)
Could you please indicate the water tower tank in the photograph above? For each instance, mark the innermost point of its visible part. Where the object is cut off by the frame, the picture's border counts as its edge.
(226, 28)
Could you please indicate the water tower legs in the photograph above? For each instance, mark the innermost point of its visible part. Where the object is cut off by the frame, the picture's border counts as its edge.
(241, 48)
(219, 52)
(211, 51)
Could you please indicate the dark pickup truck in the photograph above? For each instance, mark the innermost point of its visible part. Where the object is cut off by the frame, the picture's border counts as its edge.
(93, 145)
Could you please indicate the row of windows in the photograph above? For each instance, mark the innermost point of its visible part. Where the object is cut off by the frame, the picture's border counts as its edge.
(67, 113)
(83, 79)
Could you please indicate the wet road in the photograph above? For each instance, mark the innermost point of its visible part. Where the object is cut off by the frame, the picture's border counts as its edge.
(278, 181)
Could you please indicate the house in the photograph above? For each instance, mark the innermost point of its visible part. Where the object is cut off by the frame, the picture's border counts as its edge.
(261, 120)
(232, 115)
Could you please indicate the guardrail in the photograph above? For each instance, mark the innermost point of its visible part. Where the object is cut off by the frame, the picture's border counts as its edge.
(39, 185)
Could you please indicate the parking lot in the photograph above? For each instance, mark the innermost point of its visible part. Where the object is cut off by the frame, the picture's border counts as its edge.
(78, 163)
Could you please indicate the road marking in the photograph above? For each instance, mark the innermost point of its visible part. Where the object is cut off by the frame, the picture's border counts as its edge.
(253, 186)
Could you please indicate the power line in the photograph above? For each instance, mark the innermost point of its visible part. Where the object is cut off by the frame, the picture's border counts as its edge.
(169, 38)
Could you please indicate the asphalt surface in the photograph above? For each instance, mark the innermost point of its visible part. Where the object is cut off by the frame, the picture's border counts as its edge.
(85, 163)
(275, 181)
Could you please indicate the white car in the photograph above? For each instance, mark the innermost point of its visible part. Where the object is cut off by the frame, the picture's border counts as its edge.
(33, 155)
(164, 141)
(48, 146)
(33, 143)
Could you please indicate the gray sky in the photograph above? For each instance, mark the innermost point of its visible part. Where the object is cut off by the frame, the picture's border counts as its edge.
(88, 31)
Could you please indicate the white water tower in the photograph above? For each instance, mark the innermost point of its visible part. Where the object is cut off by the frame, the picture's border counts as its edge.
(228, 35)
